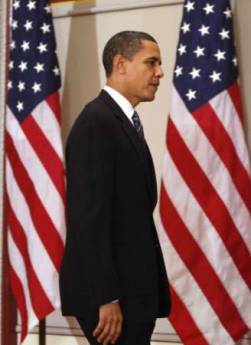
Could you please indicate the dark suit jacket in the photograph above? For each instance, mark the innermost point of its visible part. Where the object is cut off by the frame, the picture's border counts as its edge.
(112, 250)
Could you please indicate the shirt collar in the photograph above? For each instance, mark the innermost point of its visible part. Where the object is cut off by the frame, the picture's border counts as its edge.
(124, 104)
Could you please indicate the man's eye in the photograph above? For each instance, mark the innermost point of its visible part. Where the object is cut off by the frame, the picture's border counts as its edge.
(151, 62)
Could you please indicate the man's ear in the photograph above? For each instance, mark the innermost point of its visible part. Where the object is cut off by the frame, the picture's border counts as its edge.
(119, 64)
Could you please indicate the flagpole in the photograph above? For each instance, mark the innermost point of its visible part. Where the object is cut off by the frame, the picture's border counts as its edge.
(42, 333)
(3, 30)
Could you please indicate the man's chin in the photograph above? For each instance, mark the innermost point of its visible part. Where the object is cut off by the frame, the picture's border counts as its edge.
(149, 98)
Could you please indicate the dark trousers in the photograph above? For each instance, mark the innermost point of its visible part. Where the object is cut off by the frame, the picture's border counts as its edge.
(132, 333)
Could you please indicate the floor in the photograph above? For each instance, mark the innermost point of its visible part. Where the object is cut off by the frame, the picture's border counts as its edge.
(67, 340)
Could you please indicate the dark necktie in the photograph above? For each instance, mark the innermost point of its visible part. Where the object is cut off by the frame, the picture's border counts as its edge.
(137, 124)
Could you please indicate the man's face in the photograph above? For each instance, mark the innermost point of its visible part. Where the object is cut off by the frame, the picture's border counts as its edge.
(143, 73)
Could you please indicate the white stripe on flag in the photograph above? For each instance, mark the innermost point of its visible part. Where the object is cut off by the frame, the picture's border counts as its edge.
(225, 110)
(46, 120)
(39, 257)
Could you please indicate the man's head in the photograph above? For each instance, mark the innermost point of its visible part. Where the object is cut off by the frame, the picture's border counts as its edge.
(126, 43)
(132, 63)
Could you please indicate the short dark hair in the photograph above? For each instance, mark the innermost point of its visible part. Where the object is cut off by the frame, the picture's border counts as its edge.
(126, 43)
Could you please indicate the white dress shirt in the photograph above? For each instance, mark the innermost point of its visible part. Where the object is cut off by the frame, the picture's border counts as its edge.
(124, 104)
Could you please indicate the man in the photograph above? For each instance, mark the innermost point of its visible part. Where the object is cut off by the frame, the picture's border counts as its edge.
(113, 277)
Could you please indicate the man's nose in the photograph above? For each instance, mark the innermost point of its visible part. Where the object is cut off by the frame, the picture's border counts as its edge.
(159, 72)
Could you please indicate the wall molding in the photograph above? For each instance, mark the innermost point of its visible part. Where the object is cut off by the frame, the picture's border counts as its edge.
(79, 8)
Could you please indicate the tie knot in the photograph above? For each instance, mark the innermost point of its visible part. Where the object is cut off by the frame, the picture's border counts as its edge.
(137, 124)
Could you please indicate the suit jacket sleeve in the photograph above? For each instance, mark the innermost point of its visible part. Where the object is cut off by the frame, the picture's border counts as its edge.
(90, 204)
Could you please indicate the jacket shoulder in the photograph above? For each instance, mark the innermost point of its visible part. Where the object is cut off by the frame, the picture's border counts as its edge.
(96, 111)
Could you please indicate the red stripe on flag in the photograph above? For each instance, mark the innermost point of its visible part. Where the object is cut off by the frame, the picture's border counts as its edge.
(234, 93)
(46, 153)
(40, 302)
(223, 145)
(210, 201)
(200, 268)
(18, 292)
(184, 324)
(53, 102)
(42, 222)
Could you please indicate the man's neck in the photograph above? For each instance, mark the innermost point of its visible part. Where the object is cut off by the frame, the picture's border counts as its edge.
(121, 89)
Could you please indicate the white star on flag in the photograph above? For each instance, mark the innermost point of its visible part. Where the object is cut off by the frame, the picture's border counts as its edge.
(10, 85)
(42, 47)
(224, 34)
(195, 73)
(178, 71)
(182, 49)
(204, 30)
(14, 24)
(28, 25)
(215, 76)
(13, 45)
(39, 67)
(191, 94)
(16, 5)
(199, 51)
(22, 66)
(56, 70)
(25, 46)
(186, 28)
(11, 65)
(36, 87)
(189, 6)
(220, 55)
(235, 61)
(208, 8)
(228, 13)
(31, 5)
(21, 86)
(20, 106)
(45, 28)
(47, 9)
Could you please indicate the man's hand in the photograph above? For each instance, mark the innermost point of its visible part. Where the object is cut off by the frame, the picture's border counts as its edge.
(110, 323)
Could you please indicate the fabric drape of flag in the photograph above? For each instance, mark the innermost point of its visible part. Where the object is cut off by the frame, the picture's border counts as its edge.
(205, 205)
(34, 163)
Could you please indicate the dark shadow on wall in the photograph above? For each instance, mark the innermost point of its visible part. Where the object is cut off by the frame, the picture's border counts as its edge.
(81, 82)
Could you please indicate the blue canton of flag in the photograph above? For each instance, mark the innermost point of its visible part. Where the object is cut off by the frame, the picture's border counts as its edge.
(206, 63)
(33, 66)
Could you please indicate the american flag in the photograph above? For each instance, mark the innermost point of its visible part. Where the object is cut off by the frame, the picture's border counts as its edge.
(205, 226)
(34, 163)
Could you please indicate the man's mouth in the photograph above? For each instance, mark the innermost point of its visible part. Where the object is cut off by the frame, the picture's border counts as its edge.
(154, 84)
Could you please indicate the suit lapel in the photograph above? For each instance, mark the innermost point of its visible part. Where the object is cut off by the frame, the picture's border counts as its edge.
(140, 147)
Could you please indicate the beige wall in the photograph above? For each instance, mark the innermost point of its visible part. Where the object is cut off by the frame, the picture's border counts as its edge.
(80, 43)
